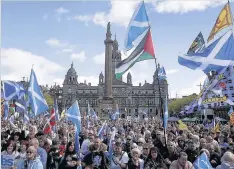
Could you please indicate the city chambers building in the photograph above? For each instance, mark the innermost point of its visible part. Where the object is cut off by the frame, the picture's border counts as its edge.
(141, 100)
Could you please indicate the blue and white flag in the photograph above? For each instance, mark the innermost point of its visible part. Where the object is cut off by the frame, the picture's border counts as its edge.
(73, 114)
(162, 73)
(36, 98)
(6, 109)
(94, 114)
(202, 162)
(137, 25)
(101, 130)
(165, 118)
(214, 57)
(11, 90)
(230, 111)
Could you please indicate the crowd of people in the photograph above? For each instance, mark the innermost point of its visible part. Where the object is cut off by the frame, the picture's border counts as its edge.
(136, 144)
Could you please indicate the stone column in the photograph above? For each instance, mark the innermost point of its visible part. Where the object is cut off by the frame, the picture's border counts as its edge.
(108, 63)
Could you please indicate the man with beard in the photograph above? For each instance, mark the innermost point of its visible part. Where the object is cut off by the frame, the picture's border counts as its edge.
(96, 158)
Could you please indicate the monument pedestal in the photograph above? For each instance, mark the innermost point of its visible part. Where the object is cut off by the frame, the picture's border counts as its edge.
(106, 107)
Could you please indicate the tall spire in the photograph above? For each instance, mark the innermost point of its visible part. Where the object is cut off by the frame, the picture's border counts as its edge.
(72, 64)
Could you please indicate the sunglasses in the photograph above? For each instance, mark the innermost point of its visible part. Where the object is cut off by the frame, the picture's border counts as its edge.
(145, 148)
(140, 143)
(29, 152)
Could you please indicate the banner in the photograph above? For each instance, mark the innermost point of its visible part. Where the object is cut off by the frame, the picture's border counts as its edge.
(7, 161)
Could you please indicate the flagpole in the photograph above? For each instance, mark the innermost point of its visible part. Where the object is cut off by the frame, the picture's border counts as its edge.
(160, 100)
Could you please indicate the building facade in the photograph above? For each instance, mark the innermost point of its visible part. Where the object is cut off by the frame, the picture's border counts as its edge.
(142, 100)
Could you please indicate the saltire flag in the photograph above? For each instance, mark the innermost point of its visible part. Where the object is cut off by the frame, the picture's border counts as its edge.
(216, 56)
(50, 122)
(137, 25)
(73, 115)
(36, 98)
(101, 130)
(197, 45)
(77, 142)
(144, 51)
(56, 109)
(202, 162)
(93, 114)
(113, 116)
(230, 111)
(11, 90)
(6, 109)
(224, 20)
(162, 73)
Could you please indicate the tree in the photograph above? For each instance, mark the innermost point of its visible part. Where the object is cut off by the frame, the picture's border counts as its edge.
(49, 99)
(176, 105)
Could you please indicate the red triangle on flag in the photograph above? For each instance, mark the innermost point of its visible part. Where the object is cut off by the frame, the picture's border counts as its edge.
(149, 47)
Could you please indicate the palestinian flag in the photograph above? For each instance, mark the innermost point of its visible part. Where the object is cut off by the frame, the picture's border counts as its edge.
(144, 51)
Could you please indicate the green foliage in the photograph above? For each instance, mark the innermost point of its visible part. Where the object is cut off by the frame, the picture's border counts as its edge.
(49, 99)
(176, 105)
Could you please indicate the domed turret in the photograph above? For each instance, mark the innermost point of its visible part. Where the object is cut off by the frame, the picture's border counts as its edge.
(71, 70)
(71, 77)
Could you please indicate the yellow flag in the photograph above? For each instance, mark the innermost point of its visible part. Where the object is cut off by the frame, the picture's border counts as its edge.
(63, 114)
(182, 126)
(224, 20)
(217, 127)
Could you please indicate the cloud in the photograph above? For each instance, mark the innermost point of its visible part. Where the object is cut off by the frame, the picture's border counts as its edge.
(78, 56)
(17, 63)
(171, 71)
(67, 50)
(83, 18)
(99, 59)
(61, 10)
(181, 6)
(114, 15)
(53, 42)
(193, 89)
